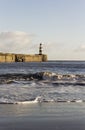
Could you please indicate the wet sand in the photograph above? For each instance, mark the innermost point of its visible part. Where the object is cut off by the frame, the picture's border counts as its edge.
(47, 116)
(27, 124)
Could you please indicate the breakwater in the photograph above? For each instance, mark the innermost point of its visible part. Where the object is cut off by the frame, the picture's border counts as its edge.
(9, 57)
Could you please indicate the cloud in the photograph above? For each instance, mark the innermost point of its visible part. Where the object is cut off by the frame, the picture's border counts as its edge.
(16, 42)
(80, 48)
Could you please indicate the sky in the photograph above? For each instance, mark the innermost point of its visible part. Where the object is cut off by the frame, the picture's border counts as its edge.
(58, 24)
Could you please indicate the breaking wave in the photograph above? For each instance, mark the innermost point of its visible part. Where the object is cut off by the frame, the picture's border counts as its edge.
(39, 100)
(54, 78)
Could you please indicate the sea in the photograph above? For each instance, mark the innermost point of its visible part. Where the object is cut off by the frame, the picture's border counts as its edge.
(42, 95)
(53, 81)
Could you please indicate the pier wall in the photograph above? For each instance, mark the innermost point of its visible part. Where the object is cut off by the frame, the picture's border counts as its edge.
(34, 58)
(8, 57)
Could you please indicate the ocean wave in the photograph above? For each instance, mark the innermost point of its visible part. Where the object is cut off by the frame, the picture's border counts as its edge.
(45, 77)
(40, 100)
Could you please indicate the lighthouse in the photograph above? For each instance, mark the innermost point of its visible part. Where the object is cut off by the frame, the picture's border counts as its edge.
(40, 49)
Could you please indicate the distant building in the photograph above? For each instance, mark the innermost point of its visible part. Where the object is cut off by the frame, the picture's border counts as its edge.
(10, 57)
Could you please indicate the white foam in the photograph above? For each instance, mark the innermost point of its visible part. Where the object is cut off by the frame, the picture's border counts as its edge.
(37, 100)
(79, 101)
(76, 101)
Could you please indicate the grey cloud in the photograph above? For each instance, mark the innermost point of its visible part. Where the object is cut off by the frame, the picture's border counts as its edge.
(15, 41)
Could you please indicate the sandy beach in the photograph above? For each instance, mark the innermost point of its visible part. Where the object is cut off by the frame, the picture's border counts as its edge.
(46, 116)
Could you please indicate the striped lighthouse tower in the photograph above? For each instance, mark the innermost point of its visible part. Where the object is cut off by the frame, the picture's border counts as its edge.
(40, 49)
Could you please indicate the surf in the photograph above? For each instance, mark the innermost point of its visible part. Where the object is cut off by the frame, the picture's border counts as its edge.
(36, 100)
